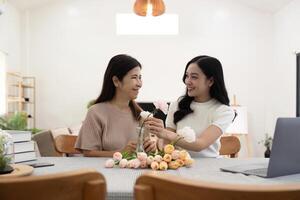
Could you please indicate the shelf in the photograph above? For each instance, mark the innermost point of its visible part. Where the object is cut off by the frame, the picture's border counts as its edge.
(23, 86)
(15, 100)
(14, 74)
(11, 113)
(21, 95)
(28, 118)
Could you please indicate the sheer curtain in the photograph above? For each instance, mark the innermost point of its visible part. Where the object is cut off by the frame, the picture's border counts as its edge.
(2, 83)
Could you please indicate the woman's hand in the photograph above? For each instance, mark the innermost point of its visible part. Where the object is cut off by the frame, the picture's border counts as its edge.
(150, 143)
(155, 126)
(130, 147)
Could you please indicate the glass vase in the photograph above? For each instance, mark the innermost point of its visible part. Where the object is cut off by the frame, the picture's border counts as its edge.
(140, 140)
(268, 152)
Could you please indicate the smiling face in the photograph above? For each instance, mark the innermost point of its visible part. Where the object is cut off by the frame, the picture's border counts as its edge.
(130, 85)
(197, 84)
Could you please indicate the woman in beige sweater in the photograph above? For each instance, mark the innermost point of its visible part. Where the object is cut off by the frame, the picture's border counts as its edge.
(110, 124)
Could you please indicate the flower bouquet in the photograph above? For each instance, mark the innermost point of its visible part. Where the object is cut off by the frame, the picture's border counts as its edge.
(168, 158)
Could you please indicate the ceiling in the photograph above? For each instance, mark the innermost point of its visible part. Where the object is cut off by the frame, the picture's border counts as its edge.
(270, 6)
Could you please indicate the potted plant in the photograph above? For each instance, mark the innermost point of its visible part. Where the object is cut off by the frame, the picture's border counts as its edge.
(17, 121)
(267, 143)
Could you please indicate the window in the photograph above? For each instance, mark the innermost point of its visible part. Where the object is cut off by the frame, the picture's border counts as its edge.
(2, 84)
(131, 24)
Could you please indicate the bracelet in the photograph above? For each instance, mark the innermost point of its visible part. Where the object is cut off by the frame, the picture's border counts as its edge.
(174, 142)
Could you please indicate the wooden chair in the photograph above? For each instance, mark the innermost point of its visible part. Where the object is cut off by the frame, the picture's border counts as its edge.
(158, 186)
(65, 144)
(230, 145)
(85, 184)
(45, 142)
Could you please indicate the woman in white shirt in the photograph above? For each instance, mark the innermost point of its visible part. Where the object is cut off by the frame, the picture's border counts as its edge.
(204, 108)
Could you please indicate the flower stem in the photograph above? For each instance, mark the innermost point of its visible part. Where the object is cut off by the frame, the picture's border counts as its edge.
(177, 140)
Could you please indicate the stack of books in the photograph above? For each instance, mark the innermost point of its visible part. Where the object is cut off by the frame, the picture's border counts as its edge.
(23, 148)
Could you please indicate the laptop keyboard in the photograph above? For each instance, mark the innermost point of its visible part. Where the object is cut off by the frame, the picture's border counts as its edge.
(259, 171)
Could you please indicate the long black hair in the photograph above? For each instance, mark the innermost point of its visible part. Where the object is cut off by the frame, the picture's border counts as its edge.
(212, 68)
(118, 66)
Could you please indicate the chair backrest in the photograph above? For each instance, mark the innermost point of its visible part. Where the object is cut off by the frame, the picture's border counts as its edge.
(65, 144)
(84, 184)
(158, 186)
(45, 143)
(230, 145)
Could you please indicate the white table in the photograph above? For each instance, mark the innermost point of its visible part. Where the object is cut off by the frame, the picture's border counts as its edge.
(120, 182)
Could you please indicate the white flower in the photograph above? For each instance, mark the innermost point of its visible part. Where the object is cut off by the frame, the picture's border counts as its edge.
(145, 114)
(123, 163)
(5, 140)
(188, 134)
(6, 137)
(117, 156)
(110, 163)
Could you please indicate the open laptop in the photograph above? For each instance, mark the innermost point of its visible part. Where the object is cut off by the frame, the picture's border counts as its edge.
(285, 153)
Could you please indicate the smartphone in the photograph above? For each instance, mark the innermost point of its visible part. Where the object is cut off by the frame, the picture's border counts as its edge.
(36, 165)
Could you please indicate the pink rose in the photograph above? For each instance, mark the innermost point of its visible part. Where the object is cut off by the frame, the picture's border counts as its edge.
(188, 162)
(167, 158)
(183, 154)
(128, 165)
(123, 163)
(175, 154)
(161, 105)
(154, 165)
(110, 163)
(143, 164)
(136, 163)
(173, 165)
(142, 156)
(158, 158)
(150, 159)
(117, 156)
(163, 165)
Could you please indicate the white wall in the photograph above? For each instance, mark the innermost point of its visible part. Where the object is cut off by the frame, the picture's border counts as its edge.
(10, 37)
(69, 43)
(282, 85)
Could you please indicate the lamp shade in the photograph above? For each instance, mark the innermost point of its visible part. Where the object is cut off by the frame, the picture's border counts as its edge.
(158, 7)
(240, 124)
(141, 6)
